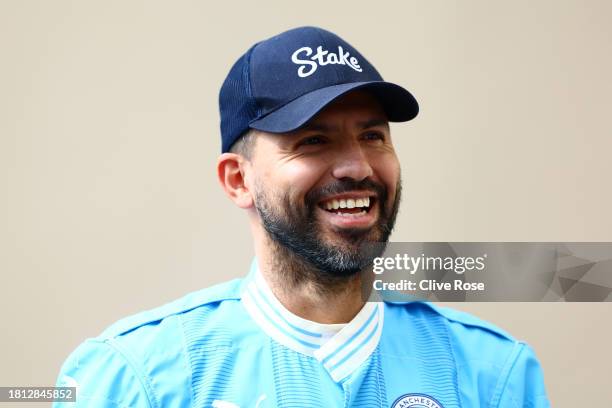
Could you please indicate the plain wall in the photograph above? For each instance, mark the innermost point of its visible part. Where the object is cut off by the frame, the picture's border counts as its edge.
(109, 132)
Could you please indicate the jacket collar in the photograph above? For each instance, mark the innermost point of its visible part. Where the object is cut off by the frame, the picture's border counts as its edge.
(340, 348)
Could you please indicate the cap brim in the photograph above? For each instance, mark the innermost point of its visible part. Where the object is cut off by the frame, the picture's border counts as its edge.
(397, 102)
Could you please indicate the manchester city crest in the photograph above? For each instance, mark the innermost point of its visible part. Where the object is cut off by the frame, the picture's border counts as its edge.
(416, 401)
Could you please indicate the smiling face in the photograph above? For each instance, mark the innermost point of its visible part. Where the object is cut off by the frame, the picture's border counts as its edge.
(329, 188)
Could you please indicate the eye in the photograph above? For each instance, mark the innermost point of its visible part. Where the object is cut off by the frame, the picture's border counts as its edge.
(374, 136)
(311, 140)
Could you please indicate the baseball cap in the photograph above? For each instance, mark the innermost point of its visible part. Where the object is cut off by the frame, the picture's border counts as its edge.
(282, 82)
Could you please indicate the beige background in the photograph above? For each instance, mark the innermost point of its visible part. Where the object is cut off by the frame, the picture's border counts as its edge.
(109, 133)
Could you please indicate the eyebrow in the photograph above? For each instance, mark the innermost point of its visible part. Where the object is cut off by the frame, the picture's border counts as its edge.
(322, 127)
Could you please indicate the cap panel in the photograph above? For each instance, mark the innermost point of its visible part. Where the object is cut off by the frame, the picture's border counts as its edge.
(301, 60)
(236, 103)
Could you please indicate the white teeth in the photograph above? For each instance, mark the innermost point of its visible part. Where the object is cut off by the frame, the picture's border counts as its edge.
(347, 203)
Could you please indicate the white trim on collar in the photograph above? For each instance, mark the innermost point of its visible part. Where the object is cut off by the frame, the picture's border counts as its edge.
(341, 348)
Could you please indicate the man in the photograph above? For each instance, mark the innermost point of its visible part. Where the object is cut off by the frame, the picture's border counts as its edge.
(307, 152)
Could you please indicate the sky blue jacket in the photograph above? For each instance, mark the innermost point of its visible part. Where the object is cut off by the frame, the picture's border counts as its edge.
(234, 345)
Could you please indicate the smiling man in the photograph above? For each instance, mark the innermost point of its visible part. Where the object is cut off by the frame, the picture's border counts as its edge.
(308, 154)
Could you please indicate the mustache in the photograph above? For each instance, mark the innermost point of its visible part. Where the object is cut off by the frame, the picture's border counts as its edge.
(342, 186)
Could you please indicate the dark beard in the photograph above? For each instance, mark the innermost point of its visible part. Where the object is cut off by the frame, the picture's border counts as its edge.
(300, 252)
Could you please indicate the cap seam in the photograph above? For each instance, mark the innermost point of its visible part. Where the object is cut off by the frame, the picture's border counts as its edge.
(248, 80)
(327, 47)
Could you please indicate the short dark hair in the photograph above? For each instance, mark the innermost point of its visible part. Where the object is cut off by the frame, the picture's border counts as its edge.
(245, 145)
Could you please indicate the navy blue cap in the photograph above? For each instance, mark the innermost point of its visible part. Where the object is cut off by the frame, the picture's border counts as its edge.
(282, 82)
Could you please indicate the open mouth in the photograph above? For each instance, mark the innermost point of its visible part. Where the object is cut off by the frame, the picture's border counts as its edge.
(350, 205)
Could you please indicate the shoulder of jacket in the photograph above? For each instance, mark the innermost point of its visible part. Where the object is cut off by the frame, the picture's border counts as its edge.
(218, 293)
(462, 318)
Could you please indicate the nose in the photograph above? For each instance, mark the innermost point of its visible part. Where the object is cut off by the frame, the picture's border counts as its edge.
(351, 162)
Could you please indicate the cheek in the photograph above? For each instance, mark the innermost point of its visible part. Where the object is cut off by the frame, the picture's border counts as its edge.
(389, 173)
(297, 178)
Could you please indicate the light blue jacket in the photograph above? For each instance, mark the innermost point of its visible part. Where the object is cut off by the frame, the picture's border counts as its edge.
(232, 345)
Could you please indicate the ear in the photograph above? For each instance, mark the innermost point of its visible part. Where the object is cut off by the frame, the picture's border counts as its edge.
(231, 174)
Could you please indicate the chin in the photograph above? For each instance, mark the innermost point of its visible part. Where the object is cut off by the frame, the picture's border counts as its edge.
(355, 237)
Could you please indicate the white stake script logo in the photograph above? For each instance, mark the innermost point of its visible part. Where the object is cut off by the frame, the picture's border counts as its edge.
(322, 57)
